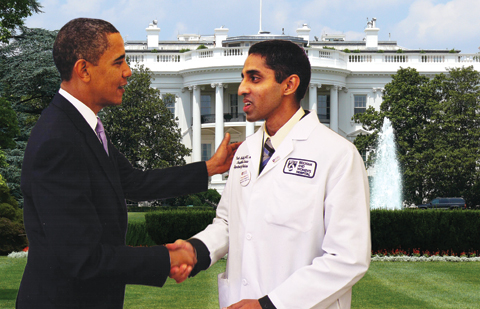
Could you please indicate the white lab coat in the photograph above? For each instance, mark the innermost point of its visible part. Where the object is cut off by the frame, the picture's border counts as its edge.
(299, 232)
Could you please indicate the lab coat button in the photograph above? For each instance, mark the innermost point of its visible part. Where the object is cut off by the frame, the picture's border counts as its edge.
(249, 236)
(244, 282)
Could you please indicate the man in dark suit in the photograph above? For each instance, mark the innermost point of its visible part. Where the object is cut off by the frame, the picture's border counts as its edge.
(75, 183)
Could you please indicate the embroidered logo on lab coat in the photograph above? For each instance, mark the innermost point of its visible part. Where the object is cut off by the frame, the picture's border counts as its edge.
(241, 161)
(300, 167)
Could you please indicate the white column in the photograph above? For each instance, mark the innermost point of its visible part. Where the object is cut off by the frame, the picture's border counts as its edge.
(312, 98)
(218, 123)
(218, 114)
(249, 128)
(197, 125)
(334, 108)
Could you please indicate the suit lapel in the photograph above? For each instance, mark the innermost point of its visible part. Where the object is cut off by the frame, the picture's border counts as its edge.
(92, 141)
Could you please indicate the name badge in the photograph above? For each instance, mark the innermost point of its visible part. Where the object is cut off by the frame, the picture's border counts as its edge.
(245, 178)
(300, 167)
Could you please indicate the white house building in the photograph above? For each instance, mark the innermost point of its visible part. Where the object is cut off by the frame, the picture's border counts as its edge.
(347, 77)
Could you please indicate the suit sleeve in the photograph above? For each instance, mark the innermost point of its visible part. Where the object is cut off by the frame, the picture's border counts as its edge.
(346, 243)
(62, 189)
(160, 183)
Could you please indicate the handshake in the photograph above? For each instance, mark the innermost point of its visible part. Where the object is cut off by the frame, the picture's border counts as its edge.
(182, 260)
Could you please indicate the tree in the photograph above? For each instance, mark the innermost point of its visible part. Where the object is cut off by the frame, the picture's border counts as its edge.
(28, 76)
(12, 233)
(456, 160)
(12, 14)
(8, 125)
(436, 130)
(142, 127)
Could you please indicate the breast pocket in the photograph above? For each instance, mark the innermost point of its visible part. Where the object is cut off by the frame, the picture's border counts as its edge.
(293, 205)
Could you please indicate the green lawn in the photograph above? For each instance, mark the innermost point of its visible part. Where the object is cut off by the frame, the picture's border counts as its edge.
(422, 285)
(136, 217)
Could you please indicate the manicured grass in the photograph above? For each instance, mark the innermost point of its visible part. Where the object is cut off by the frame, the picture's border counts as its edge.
(136, 217)
(419, 285)
(425, 285)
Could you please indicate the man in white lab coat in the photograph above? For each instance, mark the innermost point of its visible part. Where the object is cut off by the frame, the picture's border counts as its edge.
(294, 215)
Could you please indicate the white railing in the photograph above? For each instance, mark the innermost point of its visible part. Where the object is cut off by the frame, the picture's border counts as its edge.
(168, 58)
(432, 58)
(318, 58)
(468, 58)
(228, 52)
(205, 54)
(360, 58)
(395, 58)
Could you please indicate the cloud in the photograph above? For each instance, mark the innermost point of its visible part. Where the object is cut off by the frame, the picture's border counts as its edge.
(440, 26)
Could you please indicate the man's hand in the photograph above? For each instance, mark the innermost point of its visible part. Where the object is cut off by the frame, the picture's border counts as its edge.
(180, 272)
(223, 157)
(246, 304)
(182, 260)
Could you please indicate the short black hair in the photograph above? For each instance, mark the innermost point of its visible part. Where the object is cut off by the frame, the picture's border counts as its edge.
(285, 58)
(81, 38)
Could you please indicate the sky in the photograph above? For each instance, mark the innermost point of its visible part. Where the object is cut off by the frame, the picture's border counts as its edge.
(413, 24)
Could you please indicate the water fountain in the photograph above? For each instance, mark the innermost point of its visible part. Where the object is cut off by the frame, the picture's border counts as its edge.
(387, 179)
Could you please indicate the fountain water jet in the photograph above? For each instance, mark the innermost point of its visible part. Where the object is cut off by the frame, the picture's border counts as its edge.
(387, 180)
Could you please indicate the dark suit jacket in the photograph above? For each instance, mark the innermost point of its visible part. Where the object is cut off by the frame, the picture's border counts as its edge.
(76, 219)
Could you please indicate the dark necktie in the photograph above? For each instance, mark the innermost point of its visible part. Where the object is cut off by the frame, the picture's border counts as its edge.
(101, 134)
(268, 151)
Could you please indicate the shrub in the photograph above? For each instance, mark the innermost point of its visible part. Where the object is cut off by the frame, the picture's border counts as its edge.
(425, 230)
(12, 236)
(137, 235)
(181, 223)
(202, 47)
(12, 232)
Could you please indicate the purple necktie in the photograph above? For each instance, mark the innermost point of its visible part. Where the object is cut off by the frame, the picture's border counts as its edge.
(101, 134)
(268, 151)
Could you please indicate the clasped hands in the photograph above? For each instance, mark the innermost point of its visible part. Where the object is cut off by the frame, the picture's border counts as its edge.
(182, 260)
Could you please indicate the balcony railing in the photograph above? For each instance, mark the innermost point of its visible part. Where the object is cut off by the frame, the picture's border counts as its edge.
(210, 118)
(318, 58)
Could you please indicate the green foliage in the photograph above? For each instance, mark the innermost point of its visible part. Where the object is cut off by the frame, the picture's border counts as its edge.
(11, 171)
(28, 76)
(184, 50)
(209, 198)
(12, 15)
(399, 51)
(437, 129)
(202, 47)
(433, 230)
(346, 50)
(142, 127)
(137, 235)
(12, 233)
(8, 124)
(168, 226)
(327, 47)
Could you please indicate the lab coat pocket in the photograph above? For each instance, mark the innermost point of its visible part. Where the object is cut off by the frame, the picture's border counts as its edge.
(223, 290)
(292, 205)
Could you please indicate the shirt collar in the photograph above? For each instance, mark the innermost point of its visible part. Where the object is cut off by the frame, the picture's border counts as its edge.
(278, 138)
(84, 110)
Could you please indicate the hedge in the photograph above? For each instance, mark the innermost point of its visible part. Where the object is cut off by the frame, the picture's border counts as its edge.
(452, 231)
(137, 235)
(180, 223)
(425, 230)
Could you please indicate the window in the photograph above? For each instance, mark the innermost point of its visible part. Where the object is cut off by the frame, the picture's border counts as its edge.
(206, 104)
(206, 152)
(360, 103)
(234, 105)
(323, 107)
(169, 101)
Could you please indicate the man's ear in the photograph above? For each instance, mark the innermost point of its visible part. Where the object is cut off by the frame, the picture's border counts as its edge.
(291, 84)
(82, 70)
